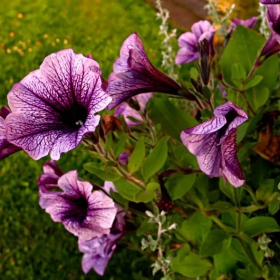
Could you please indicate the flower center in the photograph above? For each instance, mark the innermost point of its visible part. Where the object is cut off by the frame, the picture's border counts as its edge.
(77, 211)
(230, 116)
(75, 116)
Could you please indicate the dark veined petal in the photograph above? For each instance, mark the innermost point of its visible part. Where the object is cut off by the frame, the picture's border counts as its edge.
(234, 117)
(6, 148)
(205, 147)
(49, 179)
(84, 213)
(231, 167)
(270, 1)
(98, 252)
(134, 74)
(54, 107)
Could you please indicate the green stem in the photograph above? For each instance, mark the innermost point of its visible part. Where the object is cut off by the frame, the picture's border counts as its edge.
(250, 191)
(219, 223)
(249, 254)
(238, 213)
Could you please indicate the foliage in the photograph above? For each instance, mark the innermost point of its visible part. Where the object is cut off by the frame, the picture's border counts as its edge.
(190, 225)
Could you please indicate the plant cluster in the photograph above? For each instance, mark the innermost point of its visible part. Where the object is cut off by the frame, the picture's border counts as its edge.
(189, 165)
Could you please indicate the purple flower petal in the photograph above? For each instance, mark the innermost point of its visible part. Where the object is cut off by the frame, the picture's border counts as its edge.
(125, 110)
(231, 167)
(55, 106)
(270, 1)
(6, 148)
(134, 74)
(84, 213)
(98, 252)
(214, 143)
(249, 23)
(49, 179)
(188, 41)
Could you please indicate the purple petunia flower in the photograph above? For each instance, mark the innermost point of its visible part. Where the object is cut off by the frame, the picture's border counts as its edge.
(214, 143)
(98, 251)
(272, 46)
(249, 23)
(270, 1)
(84, 213)
(188, 41)
(55, 106)
(125, 110)
(134, 74)
(6, 148)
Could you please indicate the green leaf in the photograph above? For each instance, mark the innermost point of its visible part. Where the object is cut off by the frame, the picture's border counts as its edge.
(196, 227)
(265, 190)
(156, 159)
(137, 157)
(171, 118)
(224, 262)
(119, 147)
(237, 251)
(182, 154)
(257, 225)
(179, 185)
(238, 74)
(213, 243)
(242, 50)
(109, 141)
(257, 97)
(126, 189)
(273, 207)
(191, 266)
(253, 82)
(148, 194)
(106, 174)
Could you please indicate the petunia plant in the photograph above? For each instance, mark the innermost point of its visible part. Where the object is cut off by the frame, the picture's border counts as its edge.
(182, 167)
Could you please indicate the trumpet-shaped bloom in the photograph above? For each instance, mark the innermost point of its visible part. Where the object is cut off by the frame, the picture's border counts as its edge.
(98, 251)
(134, 74)
(125, 110)
(84, 213)
(6, 148)
(189, 40)
(214, 143)
(55, 106)
(272, 45)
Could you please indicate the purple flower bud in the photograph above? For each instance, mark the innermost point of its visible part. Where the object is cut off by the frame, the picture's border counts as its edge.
(134, 74)
(214, 143)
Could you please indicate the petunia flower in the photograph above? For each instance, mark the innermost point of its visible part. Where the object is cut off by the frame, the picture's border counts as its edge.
(134, 74)
(55, 106)
(6, 148)
(84, 213)
(125, 110)
(270, 1)
(272, 46)
(214, 143)
(98, 251)
(249, 23)
(189, 40)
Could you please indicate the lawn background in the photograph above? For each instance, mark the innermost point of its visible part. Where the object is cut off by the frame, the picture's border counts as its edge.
(31, 245)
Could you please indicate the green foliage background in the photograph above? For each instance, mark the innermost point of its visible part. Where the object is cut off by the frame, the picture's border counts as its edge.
(31, 245)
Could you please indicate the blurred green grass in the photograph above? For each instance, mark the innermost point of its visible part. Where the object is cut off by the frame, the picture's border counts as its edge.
(31, 245)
